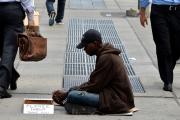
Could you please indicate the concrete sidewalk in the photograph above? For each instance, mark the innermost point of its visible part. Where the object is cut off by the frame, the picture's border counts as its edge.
(39, 79)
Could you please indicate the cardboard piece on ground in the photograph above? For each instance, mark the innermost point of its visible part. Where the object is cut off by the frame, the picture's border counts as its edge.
(130, 113)
(121, 114)
(134, 109)
(38, 106)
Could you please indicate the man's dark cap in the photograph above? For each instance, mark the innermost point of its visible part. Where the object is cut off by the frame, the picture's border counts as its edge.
(88, 37)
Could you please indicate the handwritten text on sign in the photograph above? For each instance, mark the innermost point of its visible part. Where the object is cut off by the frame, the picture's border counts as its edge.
(38, 109)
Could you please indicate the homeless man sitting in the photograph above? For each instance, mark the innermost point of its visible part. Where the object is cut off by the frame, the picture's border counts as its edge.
(108, 88)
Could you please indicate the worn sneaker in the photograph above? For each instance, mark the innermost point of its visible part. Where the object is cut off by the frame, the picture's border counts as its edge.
(59, 23)
(51, 18)
(13, 84)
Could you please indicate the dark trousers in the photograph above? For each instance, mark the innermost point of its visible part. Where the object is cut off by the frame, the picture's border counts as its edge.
(165, 22)
(11, 23)
(60, 8)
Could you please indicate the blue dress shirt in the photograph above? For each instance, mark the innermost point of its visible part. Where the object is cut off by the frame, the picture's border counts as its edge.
(28, 7)
(145, 3)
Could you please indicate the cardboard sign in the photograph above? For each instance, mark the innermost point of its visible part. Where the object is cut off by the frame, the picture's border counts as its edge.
(38, 106)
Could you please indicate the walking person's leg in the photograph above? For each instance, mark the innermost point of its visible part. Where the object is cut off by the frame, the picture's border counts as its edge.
(161, 37)
(1, 40)
(12, 24)
(174, 35)
(51, 11)
(60, 11)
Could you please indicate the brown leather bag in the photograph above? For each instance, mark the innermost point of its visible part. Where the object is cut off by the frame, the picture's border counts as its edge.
(32, 46)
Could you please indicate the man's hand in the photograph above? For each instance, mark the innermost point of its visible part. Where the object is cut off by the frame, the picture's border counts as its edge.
(143, 17)
(58, 96)
(31, 23)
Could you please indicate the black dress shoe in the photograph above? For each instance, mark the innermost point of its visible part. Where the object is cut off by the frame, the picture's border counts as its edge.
(167, 87)
(13, 84)
(4, 93)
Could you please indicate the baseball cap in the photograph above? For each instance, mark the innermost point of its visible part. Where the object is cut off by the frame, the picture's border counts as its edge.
(88, 37)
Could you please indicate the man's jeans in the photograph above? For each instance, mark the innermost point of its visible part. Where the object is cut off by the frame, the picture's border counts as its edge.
(60, 8)
(49, 6)
(83, 98)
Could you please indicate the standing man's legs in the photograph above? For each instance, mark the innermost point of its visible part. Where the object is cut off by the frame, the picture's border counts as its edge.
(51, 11)
(161, 35)
(10, 25)
(166, 28)
(60, 11)
(175, 35)
(1, 41)
(15, 75)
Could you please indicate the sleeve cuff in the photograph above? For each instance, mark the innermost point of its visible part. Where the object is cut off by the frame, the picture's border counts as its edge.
(30, 13)
(144, 4)
(30, 16)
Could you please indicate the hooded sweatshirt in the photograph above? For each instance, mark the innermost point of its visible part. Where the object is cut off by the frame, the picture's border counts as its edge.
(109, 79)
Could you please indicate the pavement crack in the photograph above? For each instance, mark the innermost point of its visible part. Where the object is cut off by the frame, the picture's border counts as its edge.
(176, 99)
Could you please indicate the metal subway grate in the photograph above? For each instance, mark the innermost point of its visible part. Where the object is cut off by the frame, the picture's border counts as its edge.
(78, 65)
(136, 84)
(81, 57)
(90, 59)
(78, 69)
(87, 4)
(78, 57)
(86, 69)
(106, 27)
(69, 81)
(125, 58)
(75, 57)
(75, 69)
(90, 68)
(130, 70)
(72, 48)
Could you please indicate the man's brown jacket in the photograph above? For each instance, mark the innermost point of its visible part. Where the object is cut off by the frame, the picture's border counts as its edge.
(110, 81)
